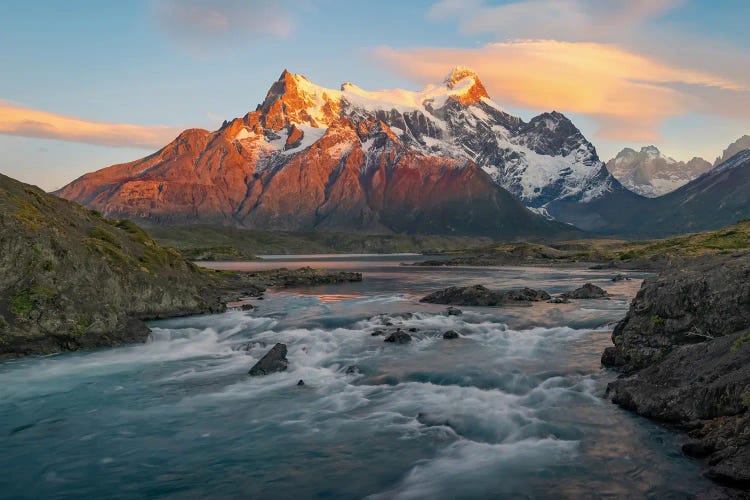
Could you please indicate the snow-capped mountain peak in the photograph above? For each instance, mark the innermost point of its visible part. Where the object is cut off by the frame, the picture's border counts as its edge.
(651, 173)
(540, 161)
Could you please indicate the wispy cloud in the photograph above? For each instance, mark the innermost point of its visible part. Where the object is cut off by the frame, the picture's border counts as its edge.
(611, 60)
(26, 122)
(629, 95)
(201, 23)
(570, 20)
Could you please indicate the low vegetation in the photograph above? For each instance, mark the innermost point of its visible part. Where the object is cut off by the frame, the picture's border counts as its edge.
(204, 242)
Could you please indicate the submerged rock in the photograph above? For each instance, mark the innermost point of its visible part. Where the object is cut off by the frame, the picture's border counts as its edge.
(453, 311)
(301, 382)
(274, 361)
(352, 370)
(587, 291)
(450, 334)
(478, 295)
(620, 277)
(559, 300)
(398, 337)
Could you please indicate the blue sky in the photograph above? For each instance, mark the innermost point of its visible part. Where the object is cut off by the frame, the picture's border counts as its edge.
(194, 63)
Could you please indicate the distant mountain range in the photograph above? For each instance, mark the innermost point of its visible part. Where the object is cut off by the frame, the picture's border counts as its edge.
(443, 160)
(650, 173)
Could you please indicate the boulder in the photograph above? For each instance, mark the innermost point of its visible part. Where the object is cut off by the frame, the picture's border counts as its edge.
(274, 361)
(450, 334)
(453, 311)
(398, 337)
(587, 291)
(352, 370)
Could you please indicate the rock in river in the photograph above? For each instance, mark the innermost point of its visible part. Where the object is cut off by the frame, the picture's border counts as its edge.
(274, 361)
(478, 295)
(450, 334)
(587, 291)
(398, 337)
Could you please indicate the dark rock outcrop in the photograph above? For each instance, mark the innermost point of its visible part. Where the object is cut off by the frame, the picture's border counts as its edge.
(398, 337)
(692, 303)
(478, 295)
(685, 349)
(453, 311)
(587, 291)
(274, 361)
(450, 334)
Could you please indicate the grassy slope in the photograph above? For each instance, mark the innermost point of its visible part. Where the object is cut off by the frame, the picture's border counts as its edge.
(70, 278)
(728, 240)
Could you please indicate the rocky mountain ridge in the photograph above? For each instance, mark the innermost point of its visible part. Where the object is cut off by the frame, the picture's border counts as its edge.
(650, 173)
(440, 160)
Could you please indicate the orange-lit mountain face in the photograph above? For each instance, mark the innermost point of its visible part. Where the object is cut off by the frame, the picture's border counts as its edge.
(446, 159)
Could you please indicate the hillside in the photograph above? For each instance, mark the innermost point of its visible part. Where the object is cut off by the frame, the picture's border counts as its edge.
(71, 279)
(615, 253)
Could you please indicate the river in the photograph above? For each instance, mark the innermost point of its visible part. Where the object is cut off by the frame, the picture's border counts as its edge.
(512, 409)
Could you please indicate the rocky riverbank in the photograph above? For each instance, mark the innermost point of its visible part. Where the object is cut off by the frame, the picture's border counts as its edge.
(71, 279)
(684, 350)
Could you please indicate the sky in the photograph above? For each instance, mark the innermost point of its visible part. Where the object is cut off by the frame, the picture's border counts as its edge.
(87, 84)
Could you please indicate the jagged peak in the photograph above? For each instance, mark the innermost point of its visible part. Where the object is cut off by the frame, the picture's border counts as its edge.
(465, 85)
(457, 74)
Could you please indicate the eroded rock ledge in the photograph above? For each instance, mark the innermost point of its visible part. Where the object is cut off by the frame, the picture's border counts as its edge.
(684, 348)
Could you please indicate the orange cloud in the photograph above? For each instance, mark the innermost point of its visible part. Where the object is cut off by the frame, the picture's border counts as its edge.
(25, 122)
(628, 94)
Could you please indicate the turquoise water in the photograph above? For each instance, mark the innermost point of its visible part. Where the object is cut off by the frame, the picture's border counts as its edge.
(514, 408)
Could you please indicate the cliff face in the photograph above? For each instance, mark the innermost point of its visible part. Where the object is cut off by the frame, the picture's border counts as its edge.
(685, 349)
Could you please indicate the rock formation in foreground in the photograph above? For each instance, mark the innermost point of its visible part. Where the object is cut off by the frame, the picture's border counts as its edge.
(71, 279)
(684, 347)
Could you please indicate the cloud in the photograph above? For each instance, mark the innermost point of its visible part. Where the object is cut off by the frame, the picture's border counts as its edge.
(629, 95)
(570, 20)
(197, 23)
(25, 122)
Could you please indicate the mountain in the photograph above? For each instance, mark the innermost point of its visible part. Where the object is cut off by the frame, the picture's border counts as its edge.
(446, 159)
(650, 173)
(737, 146)
(716, 199)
